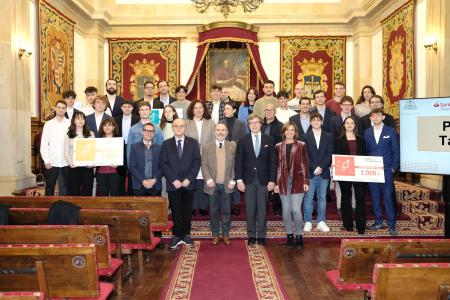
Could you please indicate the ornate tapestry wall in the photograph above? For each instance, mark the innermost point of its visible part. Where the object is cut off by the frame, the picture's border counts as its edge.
(133, 61)
(56, 57)
(398, 57)
(227, 54)
(316, 61)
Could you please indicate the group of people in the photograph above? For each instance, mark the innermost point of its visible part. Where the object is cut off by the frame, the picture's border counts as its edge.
(205, 154)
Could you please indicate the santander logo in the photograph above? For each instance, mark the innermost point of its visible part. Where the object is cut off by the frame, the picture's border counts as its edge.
(442, 105)
(436, 104)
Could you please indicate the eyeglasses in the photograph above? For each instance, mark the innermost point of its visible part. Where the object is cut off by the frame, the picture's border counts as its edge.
(254, 123)
(148, 130)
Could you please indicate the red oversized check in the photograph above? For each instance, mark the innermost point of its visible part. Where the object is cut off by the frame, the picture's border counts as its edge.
(358, 168)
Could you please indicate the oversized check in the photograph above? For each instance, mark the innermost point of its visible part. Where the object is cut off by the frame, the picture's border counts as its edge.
(358, 168)
(98, 152)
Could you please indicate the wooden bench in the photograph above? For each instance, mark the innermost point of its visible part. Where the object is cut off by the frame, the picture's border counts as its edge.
(55, 270)
(358, 256)
(131, 229)
(409, 281)
(444, 291)
(73, 234)
(156, 205)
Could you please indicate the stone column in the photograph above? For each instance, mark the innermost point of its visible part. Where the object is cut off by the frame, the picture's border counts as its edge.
(15, 115)
(95, 44)
(362, 63)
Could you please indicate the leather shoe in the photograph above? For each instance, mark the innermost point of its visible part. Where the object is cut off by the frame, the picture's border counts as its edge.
(251, 241)
(226, 240)
(360, 231)
(215, 240)
(262, 241)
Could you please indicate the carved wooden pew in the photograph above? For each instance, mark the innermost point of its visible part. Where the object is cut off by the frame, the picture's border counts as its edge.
(55, 270)
(131, 229)
(409, 281)
(358, 257)
(73, 234)
(156, 205)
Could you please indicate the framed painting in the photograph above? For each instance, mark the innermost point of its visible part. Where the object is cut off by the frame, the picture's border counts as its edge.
(229, 68)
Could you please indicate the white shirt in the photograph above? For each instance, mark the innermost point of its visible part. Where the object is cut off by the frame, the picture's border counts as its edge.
(215, 112)
(294, 104)
(182, 142)
(254, 140)
(52, 142)
(112, 100)
(126, 125)
(199, 125)
(377, 133)
(164, 99)
(283, 115)
(70, 112)
(98, 120)
(317, 137)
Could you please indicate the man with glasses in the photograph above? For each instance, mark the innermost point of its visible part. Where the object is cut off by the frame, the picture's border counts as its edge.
(149, 92)
(255, 171)
(377, 102)
(346, 111)
(144, 164)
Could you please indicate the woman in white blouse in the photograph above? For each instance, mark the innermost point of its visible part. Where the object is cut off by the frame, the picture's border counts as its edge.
(168, 116)
(81, 179)
(200, 126)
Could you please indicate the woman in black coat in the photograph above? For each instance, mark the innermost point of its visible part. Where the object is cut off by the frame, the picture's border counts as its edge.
(350, 143)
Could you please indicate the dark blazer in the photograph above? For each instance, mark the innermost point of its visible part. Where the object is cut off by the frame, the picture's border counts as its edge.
(275, 130)
(388, 146)
(388, 120)
(136, 164)
(67, 115)
(336, 125)
(156, 105)
(301, 133)
(247, 165)
(171, 99)
(329, 114)
(238, 131)
(319, 157)
(187, 167)
(90, 121)
(117, 109)
(343, 148)
(118, 119)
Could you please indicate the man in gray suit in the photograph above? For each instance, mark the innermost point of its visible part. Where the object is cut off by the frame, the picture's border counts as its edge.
(218, 173)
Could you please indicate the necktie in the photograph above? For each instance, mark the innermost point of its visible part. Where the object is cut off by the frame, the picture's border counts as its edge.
(180, 150)
(256, 145)
(220, 145)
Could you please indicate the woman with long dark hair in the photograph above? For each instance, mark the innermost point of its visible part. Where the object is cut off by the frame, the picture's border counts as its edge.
(81, 179)
(362, 106)
(292, 181)
(108, 178)
(168, 116)
(246, 108)
(350, 143)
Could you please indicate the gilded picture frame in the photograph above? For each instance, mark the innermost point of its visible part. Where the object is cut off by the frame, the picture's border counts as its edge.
(229, 68)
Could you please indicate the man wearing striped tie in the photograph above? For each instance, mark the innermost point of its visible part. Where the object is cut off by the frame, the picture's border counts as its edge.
(255, 170)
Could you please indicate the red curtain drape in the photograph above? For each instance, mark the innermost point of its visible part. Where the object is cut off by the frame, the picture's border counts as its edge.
(197, 81)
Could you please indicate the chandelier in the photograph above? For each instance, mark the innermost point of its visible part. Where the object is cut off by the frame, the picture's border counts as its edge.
(226, 7)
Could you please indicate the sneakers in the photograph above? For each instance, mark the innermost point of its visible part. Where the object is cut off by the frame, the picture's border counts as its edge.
(392, 231)
(175, 242)
(322, 226)
(187, 240)
(307, 227)
(376, 227)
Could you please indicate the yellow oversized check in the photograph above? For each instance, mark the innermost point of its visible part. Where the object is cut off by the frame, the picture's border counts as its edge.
(358, 168)
(98, 152)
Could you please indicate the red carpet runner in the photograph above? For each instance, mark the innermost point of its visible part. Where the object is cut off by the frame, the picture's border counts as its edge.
(218, 272)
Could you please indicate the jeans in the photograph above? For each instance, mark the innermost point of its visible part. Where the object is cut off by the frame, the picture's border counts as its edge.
(220, 204)
(316, 185)
(292, 204)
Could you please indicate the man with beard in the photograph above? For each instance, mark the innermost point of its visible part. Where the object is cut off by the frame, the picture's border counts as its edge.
(115, 102)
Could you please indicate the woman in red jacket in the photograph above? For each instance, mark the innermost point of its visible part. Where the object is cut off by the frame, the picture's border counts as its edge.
(292, 181)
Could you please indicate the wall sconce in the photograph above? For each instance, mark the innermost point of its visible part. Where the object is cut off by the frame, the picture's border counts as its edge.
(25, 52)
(431, 43)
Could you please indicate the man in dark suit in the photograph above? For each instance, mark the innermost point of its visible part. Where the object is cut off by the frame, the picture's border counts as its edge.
(164, 97)
(383, 141)
(144, 164)
(377, 102)
(94, 120)
(180, 163)
(326, 113)
(255, 171)
(319, 145)
(114, 101)
(338, 120)
(124, 124)
(302, 119)
(69, 97)
(149, 92)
